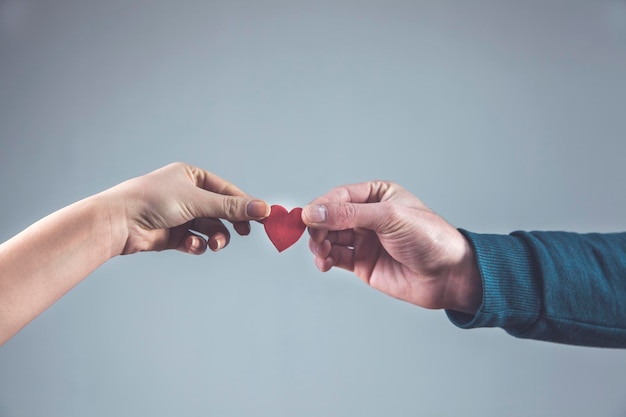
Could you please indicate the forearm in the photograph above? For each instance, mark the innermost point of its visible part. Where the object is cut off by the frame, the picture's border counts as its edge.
(50, 257)
(555, 286)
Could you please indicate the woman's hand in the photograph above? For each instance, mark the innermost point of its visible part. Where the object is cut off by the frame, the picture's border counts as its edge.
(175, 207)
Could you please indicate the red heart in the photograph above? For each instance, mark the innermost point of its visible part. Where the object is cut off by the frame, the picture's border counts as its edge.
(284, 229)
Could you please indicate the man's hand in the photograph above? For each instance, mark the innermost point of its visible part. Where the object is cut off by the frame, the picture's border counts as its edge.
(394, 243)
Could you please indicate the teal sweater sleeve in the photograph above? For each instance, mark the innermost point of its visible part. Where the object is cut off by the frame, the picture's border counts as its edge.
(554, 286)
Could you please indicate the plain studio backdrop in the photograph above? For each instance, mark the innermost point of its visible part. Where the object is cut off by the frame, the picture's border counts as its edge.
(499, 115)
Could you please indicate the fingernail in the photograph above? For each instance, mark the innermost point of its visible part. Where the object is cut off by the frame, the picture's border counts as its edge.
(256, 208)
(215, 244)
(316, 213)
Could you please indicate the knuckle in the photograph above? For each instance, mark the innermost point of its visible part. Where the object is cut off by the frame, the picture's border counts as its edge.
(178, 164)
(346, 211)
(343, 193)
(231, 208)
(382, 190)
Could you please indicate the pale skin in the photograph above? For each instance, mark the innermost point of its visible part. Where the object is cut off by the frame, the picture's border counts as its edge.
(394, 243)
(154, 212)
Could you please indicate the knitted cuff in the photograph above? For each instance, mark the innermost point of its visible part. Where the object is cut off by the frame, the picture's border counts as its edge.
(511, 292)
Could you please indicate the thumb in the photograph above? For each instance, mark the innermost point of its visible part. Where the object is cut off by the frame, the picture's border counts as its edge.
(344, 215)
(228, 207)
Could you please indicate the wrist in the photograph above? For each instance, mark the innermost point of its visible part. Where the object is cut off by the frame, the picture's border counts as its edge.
(112, 212)
(465, 283)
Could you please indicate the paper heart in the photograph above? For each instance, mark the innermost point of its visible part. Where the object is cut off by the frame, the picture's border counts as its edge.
(282, 227)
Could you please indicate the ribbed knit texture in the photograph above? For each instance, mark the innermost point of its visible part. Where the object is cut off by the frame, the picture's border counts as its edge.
(554, 286)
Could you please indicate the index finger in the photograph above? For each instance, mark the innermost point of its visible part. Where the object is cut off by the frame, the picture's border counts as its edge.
(214, 183)
(366, 192)
(357, 205)
(230, 207)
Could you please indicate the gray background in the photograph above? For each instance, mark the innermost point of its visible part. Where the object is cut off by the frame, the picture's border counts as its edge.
(500, 115)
